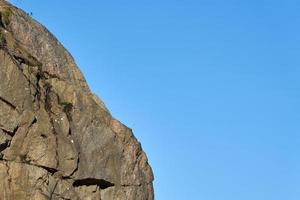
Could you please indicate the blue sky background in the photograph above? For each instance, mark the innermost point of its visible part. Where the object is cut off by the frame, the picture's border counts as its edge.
(210, 87)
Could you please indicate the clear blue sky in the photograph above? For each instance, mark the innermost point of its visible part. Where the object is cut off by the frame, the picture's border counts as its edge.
(211, 88)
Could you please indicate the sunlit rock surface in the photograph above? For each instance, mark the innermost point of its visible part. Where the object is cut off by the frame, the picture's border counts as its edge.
(57, 139)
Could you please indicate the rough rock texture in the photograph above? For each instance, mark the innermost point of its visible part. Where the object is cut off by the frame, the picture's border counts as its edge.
(57, 139)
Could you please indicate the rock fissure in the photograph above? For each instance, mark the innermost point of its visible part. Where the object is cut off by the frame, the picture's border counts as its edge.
(11, 105)
(135, 185)
(4, 145)
(8, 132)
(1, 20)
(48, 169)
(8, 174)
(77, 165)
(14, 60)
(50, 113)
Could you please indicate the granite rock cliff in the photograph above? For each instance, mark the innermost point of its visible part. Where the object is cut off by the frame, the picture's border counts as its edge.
(57, 139)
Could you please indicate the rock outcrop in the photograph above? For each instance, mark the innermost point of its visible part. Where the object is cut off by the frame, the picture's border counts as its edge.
(57, 139)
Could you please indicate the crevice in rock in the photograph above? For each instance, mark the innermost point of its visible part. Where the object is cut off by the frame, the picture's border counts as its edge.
(1, 21)
(13, 57)
(4, 145)
(51, 76)
(70, 132)
(132, 185)
(136, 184)
(32, 123)
(103, 184)
(48, 169)
(10, 133)
(20, 60)
(8, 174)
(18, 54)
(77, 165)
(47, 88)
(48, 106)
(11, 105)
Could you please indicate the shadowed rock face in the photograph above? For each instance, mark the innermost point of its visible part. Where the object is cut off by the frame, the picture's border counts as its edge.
(57, 139)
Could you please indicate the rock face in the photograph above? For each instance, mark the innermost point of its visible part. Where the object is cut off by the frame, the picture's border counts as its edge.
(57, 139)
